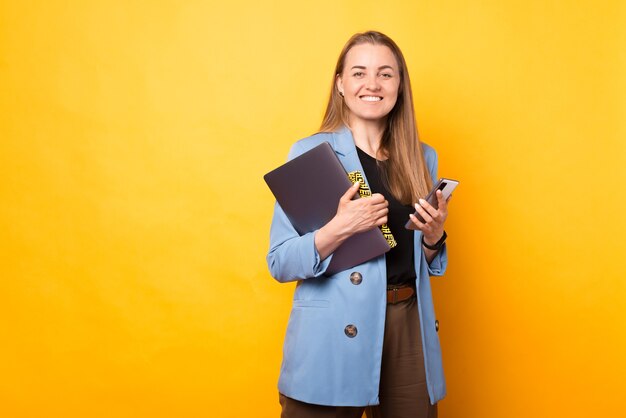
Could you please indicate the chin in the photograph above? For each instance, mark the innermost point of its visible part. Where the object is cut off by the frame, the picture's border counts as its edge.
(374, 116)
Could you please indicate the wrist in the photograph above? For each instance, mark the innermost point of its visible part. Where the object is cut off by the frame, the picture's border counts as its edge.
(432, 244)
(327, 239)
(337, 230)
(431, 239)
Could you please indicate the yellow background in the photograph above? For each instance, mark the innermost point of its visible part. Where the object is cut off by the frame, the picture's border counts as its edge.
(134, 219)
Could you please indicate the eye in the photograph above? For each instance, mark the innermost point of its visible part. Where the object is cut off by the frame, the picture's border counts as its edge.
(358, 74)
(386, 75)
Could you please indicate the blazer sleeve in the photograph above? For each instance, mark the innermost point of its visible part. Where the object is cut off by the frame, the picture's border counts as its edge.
(438, 265)
(292, 256)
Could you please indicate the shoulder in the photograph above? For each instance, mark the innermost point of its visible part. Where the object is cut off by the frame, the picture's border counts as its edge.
(303, 145)
(430, 156)
(429, 152)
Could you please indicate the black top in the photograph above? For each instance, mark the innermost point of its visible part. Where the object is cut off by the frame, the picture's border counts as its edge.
(400, 261)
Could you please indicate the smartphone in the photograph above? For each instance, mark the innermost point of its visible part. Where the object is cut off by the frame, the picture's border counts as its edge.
(446, 186)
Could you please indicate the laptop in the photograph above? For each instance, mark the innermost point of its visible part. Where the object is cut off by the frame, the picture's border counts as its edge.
(308, 189)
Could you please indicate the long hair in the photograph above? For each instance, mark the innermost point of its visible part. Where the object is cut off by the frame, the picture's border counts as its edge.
(405, 170)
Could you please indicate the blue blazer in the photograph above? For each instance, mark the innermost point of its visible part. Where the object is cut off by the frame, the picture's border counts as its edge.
(321, 363)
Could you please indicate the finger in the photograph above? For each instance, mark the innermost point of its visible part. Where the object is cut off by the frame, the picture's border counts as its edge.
(382, 212)
(416, 224)
(422, 211)
(440, 199)
(378, 206)
(442, 206)
(377, 197)
(349, 194)
(442, 202)
(369, 203)
(427, 205)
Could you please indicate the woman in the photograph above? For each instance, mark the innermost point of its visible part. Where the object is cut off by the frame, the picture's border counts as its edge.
(366, 338)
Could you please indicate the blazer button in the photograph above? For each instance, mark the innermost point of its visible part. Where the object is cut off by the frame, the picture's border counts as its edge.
(350, 331)
(436, 325)
(356, 278)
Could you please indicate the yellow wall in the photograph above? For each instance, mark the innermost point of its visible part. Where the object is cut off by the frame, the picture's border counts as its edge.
(134, 219)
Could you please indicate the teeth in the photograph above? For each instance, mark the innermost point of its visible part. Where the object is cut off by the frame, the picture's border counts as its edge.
(371, 98)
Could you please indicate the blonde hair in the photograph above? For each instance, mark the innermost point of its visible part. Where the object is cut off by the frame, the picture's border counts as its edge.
(405, 171)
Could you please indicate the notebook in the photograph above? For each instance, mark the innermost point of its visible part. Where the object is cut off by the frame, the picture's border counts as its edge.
(308, 189)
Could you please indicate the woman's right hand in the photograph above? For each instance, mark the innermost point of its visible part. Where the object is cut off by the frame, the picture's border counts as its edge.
(358, 215)
(353, 216)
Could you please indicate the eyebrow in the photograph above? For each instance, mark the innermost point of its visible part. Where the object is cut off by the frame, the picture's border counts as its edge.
(382, 67)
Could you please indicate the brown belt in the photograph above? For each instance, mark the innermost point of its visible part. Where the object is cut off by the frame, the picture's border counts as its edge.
(397, 294)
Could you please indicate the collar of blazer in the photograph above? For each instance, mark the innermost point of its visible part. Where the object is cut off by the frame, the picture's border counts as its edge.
(344, 142)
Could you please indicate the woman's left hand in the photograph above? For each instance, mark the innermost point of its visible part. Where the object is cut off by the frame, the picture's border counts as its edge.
(432, 229)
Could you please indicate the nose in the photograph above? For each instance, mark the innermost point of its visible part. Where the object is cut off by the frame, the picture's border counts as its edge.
(372, 82)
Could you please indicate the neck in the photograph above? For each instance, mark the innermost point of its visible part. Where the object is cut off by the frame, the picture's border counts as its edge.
(368, 135)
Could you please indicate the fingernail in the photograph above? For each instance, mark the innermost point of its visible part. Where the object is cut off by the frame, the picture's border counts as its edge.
(422, 201)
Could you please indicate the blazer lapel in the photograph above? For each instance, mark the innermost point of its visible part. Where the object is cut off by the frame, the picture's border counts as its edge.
(346, 150)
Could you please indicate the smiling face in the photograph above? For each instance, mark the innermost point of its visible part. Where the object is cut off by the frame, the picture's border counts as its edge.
(369, 82)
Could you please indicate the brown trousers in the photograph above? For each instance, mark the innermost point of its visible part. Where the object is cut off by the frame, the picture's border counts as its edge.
(403, 392)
